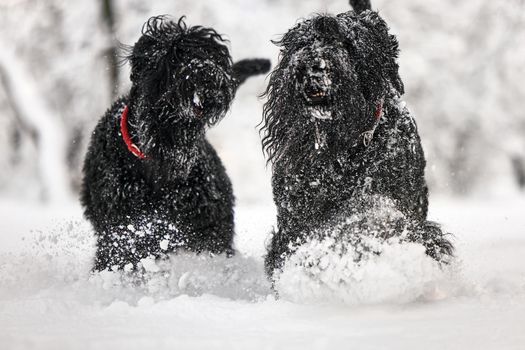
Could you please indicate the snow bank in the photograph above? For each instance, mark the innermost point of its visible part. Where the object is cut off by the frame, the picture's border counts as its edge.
(50, 300)
(237, 278)
(57, 261)
(402, 273)
(60, 261)
(364, 257)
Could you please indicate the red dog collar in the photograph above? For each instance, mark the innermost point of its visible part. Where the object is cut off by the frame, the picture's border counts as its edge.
(125, 135)
(368, 135)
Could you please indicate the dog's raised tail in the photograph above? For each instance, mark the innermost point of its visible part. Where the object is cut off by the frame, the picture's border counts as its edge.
(246, 68)
(360, 5)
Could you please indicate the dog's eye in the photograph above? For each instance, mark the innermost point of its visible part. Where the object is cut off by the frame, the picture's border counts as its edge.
(197, 106)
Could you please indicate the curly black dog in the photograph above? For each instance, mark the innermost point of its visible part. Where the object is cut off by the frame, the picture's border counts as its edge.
(152, 182)
(340, 139)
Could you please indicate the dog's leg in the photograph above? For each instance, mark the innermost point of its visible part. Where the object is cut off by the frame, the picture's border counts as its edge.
(113, 251)
(275, 256)
(436, 242)
(216, 238)
(123, 247)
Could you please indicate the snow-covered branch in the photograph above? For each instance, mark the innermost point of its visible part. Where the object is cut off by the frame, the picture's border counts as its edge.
(36, 117)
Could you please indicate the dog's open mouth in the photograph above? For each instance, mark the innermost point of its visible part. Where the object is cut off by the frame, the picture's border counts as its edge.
(317, 82)
(316, 95)
(316, 88)
(197, 106)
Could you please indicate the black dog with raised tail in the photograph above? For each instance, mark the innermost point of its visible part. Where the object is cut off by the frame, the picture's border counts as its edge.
(152, 182)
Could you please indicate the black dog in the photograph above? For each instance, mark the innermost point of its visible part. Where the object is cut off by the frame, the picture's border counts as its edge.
(152, 182)
(340, 140)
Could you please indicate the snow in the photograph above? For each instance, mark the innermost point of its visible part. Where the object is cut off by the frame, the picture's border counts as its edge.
(320, 113)
(164, 244)
(400, 300)
(470, 120)
(402, 273)
(196, 99)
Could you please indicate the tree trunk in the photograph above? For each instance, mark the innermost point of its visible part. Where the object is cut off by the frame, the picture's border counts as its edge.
(40, 123)
(108, 17)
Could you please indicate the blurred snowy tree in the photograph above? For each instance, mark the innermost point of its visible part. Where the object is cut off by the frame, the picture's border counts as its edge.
(59, 47)
(463, 68)
(462, 64)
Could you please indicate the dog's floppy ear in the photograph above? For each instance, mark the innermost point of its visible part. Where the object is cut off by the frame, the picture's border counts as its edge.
(360, 5)
(154, 54)
(144, 55)
(377, 53)
(151, 65)
(139, 57)
(246, 68)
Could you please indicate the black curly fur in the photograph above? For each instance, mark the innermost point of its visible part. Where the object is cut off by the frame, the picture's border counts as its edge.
(180, 195)
(334, 74)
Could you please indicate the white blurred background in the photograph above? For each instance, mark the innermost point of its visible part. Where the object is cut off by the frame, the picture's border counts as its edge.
(462, 63)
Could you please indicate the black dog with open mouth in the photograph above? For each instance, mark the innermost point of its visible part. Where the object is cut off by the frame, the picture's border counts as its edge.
(152, 182)
(340, 139)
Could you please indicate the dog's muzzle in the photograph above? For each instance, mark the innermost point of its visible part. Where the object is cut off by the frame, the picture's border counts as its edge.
(209, 89)
(317, 83)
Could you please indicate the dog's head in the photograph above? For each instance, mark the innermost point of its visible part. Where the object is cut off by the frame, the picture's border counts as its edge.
(182, 81)
(333, 73)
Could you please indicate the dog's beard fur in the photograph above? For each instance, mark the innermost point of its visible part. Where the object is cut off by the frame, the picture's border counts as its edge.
(182, 84)
(298, 130)
(355, 57)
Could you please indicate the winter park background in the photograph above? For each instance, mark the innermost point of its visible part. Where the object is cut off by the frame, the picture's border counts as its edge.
(463, 67)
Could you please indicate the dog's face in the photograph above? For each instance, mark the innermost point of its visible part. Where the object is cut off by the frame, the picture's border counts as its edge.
(182, 79)
(332, 74)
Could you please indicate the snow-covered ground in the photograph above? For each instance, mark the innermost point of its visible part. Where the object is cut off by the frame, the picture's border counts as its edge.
(49, 300)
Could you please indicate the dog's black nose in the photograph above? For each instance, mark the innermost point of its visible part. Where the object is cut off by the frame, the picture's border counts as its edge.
(318, 65)
(327, 26)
